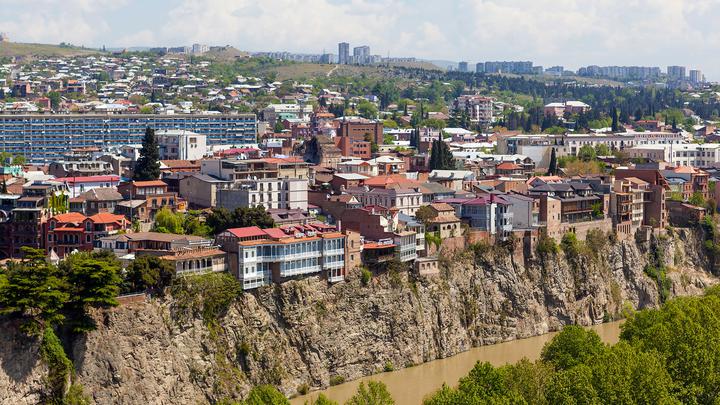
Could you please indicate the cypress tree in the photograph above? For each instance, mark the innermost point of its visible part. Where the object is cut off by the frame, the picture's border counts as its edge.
(148, 165)
(552, 169)
(614, 113)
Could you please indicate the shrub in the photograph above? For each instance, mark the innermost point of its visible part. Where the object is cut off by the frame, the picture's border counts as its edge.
(59, 366)
(546, 245)
(365, 276)
(337, 380)
(388, 366)
(303, 389)
(571, 245)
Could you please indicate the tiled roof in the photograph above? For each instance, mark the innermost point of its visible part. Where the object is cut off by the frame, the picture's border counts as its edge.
(106, 218)
(70, 217)
(247, 232)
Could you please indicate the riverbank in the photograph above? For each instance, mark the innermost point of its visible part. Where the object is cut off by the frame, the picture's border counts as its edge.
(409, 386)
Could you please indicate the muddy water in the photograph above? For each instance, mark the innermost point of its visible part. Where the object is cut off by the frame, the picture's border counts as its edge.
(409, 386)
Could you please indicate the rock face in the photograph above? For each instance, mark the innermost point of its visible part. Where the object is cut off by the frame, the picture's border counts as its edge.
(306, 332)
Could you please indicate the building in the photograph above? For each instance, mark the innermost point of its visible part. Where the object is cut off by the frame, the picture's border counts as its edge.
(200, 49)
(81, 184)
(249, 169)
(361, 55)
(275, 113)
(405, 200)
(360, 129)
(443, 221)
(696, 77)
(28, 214)
(264, 256)
(181, 145)
(66, 233)
(489, 213)
(47, 137)
(344, 53)
(200, 190)
(627, 204)
(152, 243)
(154, 193)
(463, 67)
(676, 72)
(79, 168)
(479, 108)
(655, 210)
(567, 107)
(509, 67)
(386, 238)
(100, 200)
(197, 260)
(271, 193)
(480, 67)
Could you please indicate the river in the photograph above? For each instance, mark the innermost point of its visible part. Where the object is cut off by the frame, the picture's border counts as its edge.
(409, 386)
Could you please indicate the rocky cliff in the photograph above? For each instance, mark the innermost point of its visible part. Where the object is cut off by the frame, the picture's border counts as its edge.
(175, 350)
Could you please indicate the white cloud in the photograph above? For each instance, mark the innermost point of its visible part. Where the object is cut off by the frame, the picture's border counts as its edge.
(568, 32)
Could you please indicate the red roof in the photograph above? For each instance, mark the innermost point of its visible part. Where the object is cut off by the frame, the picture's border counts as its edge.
(507, 166)
(275, 233)
(247, 232)
(106, 218)
(89, 179)
(384, 181)
(70, 218)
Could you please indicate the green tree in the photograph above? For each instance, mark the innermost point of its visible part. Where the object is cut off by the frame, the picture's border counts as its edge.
(367, 109)
(93, 281)
(586, 153)
(433, 123)
(148, 165)
(697, 199)
(265, 395)
(148, 273)
(222, 219)
(279, 127)
(440, 156)
(602, 150)
(572, 346)
(33, 290)
(424, 214)
(321, 400)
(19, 160)
(614, 126)
(552, 168)
(572, 386)
(55, 99)
(167, 221)
(376, 393)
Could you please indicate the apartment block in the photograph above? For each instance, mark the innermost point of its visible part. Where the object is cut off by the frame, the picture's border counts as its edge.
(45, 137)
(264, 256)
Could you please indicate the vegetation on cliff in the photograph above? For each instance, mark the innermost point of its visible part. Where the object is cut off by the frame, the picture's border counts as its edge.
(670, 355)
(52, 303)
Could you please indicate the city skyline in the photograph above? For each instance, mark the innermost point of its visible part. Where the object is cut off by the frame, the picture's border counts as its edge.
(569, 33)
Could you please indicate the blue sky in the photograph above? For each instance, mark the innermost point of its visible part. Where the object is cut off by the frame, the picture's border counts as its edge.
(572, 33)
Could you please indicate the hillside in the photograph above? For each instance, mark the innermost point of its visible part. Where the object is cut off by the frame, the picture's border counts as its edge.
(18, 49)
(204, 344)
(226, 54)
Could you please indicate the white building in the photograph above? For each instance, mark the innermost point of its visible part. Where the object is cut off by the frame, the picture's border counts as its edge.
(180, 144)
(271, 193)
(278, 112)
(688, 154)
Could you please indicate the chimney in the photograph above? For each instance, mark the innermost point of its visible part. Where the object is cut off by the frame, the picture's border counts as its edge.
(339, 225)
